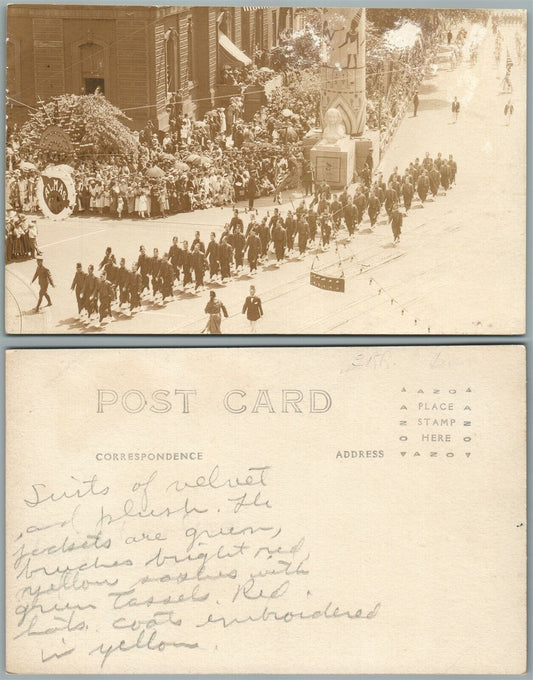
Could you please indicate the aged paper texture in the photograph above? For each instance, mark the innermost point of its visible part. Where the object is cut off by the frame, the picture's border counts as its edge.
(317, 170)
(339, 510)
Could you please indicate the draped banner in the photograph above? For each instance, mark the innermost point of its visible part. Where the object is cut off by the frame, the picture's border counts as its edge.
(333, 283)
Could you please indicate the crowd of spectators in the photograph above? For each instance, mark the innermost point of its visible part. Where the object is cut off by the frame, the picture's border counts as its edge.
(216, 161)
(116, 287)
(224, 158)
(21, 236)
(393, 79)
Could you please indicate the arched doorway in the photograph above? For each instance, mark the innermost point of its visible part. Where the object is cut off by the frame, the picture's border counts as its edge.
(90, 67)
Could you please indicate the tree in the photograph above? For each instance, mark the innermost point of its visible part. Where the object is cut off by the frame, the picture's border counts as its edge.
(300, 50)
(95, 127)
(427, 19)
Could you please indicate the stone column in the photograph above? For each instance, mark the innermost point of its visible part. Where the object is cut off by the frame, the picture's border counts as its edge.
(341, 153)
(343, 73)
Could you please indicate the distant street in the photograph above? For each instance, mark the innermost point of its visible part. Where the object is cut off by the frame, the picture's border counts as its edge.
(457, 267)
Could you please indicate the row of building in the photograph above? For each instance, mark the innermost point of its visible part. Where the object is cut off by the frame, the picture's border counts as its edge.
(141, 57)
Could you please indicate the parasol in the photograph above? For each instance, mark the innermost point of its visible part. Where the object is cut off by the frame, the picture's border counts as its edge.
(65, 168)
(206, 161)
(286, 113)
(292, 135)
(155, 172)
(194, 159)
(25, 165)
(181, 166)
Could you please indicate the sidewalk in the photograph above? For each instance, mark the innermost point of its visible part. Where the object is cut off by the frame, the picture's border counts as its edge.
(21, 300)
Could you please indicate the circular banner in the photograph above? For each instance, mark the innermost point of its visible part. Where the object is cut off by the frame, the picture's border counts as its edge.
(55, 139)
(56, 192)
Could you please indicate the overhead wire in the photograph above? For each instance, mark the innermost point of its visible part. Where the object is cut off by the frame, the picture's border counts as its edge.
(69, 67)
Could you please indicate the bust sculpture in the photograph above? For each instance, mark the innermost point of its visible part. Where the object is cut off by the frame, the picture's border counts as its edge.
(334, 128)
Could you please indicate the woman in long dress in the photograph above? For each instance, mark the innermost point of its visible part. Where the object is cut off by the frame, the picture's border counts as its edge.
(148, 198)
(93, 191)
(130, 199)
(100, 196)
(142, 204)
(214, 308)
(137, 200)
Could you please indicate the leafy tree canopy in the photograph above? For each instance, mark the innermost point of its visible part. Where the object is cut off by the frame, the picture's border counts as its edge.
(300, 50)
(428, 19)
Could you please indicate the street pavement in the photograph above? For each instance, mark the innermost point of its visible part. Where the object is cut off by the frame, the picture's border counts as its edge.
(458, 269)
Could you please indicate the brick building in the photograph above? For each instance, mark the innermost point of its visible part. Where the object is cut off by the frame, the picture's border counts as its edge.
(141, 57)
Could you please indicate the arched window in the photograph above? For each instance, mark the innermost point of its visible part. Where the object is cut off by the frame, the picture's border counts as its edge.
(171, 61)
(13, 81)
(92, 59)
(89, 68)
(258, 28)
(190, 49)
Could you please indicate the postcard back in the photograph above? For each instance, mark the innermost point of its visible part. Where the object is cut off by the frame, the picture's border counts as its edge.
(339, 510)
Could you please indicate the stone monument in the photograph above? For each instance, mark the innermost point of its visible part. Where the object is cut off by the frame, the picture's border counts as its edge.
(342, 101)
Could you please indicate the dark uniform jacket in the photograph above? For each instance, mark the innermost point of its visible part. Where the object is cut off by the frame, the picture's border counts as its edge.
(279, 236)
(235, 222)
(44, 276)
(212, 251)
(155, 267)
(200, 243)
(105, 291)
(390, 198)
(336, 210)
(434, 179)
(374, 205)
(253, 244)
(78, 282)
(198, 261)
(360, 202)
(239, 242)
(123, 278)
(225, 253)
(264, 233)
(135, 282)
(407, 191)
(252, 308)
(186, 260)
(143, 263)
(174, 255)
(423, 184)
(350, 213)
(290, 225)
(91, 286)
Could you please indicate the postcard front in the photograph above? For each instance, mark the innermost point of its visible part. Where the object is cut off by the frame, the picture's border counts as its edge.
(332, 170)
(340, 510)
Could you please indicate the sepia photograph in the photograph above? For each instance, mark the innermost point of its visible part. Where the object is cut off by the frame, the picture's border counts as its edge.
(265, 170)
